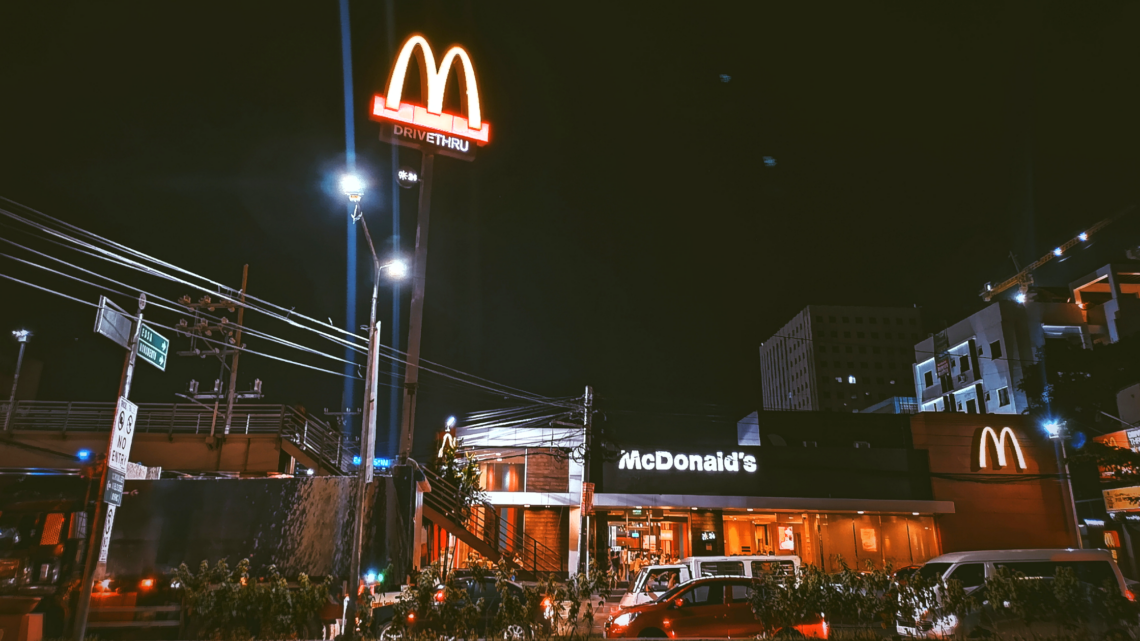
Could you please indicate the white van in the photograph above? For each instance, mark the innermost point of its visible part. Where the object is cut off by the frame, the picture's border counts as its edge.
(653, 580)
(1093, 567)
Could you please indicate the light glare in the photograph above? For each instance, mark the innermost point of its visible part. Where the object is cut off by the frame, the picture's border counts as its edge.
(451, 421)
(397, 270)
(1082, 236)
(1053, 429)
(1057, 251)
(352, 186)
(1019, 297)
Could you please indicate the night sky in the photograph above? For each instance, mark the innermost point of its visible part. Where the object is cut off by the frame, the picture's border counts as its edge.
(622, 228)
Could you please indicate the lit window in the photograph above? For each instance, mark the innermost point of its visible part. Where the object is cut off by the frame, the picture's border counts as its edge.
(851, 380)
(838, 379)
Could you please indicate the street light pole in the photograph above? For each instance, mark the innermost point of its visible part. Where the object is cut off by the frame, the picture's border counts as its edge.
(354, 189)
(1057, 433)
(21, 336)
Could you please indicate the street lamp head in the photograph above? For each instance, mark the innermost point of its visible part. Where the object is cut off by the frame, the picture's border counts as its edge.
(352, 186)
(21, 335)
(397, 270)
(1053, 429)
(451, 421)
(1019, 297)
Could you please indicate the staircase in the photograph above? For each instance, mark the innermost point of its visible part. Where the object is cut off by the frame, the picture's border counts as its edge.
(481, 527)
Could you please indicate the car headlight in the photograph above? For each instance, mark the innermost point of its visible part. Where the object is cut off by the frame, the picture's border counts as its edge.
(625, 619)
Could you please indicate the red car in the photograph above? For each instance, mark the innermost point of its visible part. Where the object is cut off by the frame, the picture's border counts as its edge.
(702, 608)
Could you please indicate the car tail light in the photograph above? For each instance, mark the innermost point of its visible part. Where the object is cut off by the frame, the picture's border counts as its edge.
(411, 616)
(439, 596)
(146, 584)
(546, 603)
(1129, 595)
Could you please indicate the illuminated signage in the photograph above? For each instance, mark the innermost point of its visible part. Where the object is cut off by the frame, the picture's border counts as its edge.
(429, 125)
(999, 442)
(708, 535)
(787, 537)
(663, 461)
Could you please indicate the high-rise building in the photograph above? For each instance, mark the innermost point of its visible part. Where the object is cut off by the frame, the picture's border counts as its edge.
(840, 359)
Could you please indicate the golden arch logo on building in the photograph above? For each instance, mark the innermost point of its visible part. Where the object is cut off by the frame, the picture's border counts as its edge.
(433, 84)
(999, 441)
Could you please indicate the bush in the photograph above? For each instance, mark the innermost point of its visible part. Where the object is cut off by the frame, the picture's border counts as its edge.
(220, 603)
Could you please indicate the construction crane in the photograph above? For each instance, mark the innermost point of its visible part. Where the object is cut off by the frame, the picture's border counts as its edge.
(1024, 278)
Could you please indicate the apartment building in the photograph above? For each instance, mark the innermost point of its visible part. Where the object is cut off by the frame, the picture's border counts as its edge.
(840, 358)
(976, 365)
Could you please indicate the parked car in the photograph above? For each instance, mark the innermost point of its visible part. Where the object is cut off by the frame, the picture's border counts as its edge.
(654, 580)
(702, 608)
(485, 589)
(1093, 569)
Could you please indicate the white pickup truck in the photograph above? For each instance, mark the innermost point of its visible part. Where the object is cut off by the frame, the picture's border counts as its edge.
(653, 580)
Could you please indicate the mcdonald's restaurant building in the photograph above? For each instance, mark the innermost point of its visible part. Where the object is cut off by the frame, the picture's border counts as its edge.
(883, 489)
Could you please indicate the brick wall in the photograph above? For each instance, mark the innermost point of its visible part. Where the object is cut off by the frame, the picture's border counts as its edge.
(547, 470)
(1026, 512)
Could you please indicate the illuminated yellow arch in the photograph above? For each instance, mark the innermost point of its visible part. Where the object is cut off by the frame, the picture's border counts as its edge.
(433, 80)
(999, 443)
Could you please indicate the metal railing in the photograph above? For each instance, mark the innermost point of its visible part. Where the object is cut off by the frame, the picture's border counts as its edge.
(310, 434)
(499, 533)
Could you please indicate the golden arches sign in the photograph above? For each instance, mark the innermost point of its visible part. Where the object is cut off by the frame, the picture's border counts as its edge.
(1000, 444)
(433, 84)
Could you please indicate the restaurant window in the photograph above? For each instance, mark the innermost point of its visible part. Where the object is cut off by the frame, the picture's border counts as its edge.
(498, 476)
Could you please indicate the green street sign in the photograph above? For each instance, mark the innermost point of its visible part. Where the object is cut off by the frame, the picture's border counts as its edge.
(152, 347)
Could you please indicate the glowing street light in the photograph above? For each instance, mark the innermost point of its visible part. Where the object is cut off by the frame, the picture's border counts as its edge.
(451, 421)
(397, 269)
(1082, 237)
(1053, 429)
(1057, 251)
(1019, 297)
(21, 336)
(352, 186)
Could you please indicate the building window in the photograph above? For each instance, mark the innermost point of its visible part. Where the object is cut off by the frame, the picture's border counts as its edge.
(850, 364)
(862, 444)
(838, 379)
(846, 334)
(928, 378)
(862, 350)
(810, 444)
(879, 380)
(874, 334)
(821, 334)
(836, 364)
(819, 319)
(886, 321)
(851, 380)
(835, 334)
(849, 349)
(834, 349)
(914, 337)
(846, 320)
(831, 319)
(1003, 397)
(995, 350)
(503, 477)
(876, 350)
(913, 322)
(859, 320)
(964, 364)
(878, 366)
(862, 335)
(863, 364)
(873, 320)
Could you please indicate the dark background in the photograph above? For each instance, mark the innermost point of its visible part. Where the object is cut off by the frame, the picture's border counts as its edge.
(621, 229)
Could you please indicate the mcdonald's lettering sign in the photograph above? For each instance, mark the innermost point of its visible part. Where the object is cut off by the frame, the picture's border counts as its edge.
(427, 126)
(1000, 443)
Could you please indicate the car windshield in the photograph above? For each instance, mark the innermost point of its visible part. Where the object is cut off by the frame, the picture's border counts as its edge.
(933, 570)
(669, 594)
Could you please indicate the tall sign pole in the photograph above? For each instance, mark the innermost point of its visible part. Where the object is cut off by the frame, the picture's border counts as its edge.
(434, 132)
(112, 322)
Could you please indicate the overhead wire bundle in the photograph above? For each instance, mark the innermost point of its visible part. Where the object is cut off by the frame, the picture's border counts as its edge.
(35, 234)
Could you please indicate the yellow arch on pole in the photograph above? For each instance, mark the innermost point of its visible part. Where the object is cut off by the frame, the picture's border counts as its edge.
(433, 80)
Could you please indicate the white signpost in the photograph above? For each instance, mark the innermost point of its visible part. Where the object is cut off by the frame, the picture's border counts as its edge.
(119, 455)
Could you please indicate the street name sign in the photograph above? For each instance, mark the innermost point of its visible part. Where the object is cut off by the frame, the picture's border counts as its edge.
(114, 492)
(153, 347)
(123, 433)
(113, 322)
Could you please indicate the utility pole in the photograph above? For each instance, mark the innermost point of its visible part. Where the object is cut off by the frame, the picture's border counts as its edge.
(237, 351)
(99, 529)
(21, 336)
(587, 438)
(416, 317)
